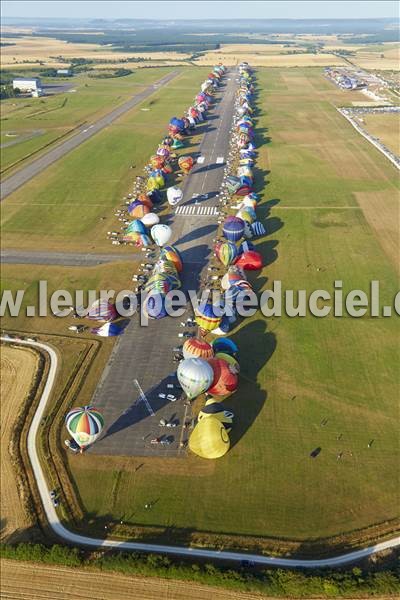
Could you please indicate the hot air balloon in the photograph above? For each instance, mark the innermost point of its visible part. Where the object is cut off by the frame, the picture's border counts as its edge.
(150, 219)
(225, 380)
(109, 329)
(158, 283)
(208, 316)
(186, 163)
(224, 345)
(209, 439)
(226, 252)
(102, 310)
(172, 254)
(155, 196)
(231, 360)
(195, 348)
(245, 247)
(137, 209)
(232, 184)
(177, 144)
(84, 425)
(247, 214)
(233, 229)
(250, 261)
(136, 226)
(258, 228)
(157, 161)
(154, 305)
(163, 151)
(174, 195)
(141, 240)
(161, 234)
(145, 199)
(224, 325)
(213, 408)
(165, 266)
(195, 376)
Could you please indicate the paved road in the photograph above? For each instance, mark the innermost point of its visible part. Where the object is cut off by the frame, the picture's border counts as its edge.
(67, 259)
(10, 184)
(81, 540)
(146, 353)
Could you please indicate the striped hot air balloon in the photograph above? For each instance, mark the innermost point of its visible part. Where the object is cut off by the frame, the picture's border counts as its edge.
(195, 348)
(208, 316)
(102, 310)
(170, 253)
(84, 424)
(226, 252)
(233, 228)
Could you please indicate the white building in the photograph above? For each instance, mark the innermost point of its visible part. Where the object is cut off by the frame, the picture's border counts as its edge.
(27, 85)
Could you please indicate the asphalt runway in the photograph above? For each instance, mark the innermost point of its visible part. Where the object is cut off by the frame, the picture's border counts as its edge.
(12, 183)
(146, 353)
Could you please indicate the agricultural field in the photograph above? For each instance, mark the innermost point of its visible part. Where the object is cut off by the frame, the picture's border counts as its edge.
(30, 124)
(29, 51)
(267, 55)
(307, 383)
(17, 371)
(384, 57)
(42, 582)
(59, 213)
(386, 127)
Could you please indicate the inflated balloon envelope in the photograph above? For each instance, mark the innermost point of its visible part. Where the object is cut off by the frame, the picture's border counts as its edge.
(195, 376)
(209, 439)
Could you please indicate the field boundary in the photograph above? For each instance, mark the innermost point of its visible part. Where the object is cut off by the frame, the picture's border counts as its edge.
(34, 152)
(60, 530)
(394, 160)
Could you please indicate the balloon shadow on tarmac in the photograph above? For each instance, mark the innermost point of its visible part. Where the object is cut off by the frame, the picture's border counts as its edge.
(252, 357)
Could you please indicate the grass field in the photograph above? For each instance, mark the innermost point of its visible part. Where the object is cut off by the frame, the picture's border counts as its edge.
(386, 127)
(60, 212)
(53, 116)
(17, 370)
(295, 373)
(42, 582)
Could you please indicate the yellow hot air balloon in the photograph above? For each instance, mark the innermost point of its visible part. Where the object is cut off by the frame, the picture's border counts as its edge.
(217, 410)
(209, 439)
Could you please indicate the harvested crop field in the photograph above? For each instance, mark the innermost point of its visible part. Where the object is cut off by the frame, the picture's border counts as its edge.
(29, 50)
(40, 582)
(260, 59)
(386, 127)
(17, 371)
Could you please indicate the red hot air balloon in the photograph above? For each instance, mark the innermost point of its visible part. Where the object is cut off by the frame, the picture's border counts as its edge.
(225, 378)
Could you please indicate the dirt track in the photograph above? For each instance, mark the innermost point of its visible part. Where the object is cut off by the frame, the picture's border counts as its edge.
(39, 582)
(17, 370)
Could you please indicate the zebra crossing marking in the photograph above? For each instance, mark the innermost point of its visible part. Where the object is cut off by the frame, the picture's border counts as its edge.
(195, 210)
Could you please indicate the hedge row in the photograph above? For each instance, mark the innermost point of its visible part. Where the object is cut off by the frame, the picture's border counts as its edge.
(350, 583)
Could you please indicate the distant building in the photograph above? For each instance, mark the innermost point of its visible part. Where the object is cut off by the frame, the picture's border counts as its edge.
(27, 85)
(64, 72)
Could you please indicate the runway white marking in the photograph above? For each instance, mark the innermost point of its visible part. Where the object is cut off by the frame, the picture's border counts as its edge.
(196, 210)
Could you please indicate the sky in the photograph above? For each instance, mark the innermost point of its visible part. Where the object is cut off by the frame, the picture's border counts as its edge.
(190, 10)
